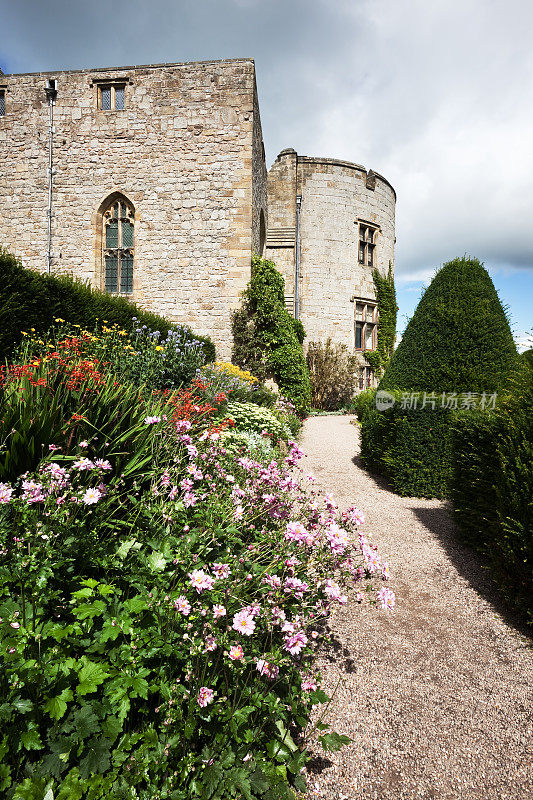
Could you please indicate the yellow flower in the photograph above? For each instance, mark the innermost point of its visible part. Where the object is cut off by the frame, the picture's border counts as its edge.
(159, 347)
(24, 333)
(122, 333)
(58, 319)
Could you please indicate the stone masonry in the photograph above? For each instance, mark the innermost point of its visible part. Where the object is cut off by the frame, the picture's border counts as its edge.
(186, 152)
(337, 198)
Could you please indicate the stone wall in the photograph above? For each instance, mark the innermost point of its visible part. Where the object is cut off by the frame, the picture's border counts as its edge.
(335, 196)
(185, 152)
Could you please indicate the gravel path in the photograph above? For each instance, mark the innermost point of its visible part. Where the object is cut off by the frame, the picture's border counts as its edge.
(437, 694)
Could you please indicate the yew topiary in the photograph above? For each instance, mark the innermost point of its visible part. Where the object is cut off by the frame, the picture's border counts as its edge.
(459, 337)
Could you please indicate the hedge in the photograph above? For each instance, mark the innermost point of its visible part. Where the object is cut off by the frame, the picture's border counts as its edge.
(267, 341)
(458, 339)
(492, 489)
(30, 299)
(410, 447)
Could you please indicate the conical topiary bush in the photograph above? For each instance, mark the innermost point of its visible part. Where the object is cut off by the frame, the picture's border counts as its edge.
(458, 343)
(459, 337)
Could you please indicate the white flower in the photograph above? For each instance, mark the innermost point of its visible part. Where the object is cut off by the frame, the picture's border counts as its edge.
(91, 497)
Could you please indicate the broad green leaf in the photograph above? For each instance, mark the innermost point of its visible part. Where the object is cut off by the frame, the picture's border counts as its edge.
(333, 741)
(31, 740)
(91, 675)
(156, 561)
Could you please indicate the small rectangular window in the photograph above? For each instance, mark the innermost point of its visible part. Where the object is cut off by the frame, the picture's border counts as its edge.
(112, 97)
(119, 98)
(367, 244)
(105, 98)
(2, 103)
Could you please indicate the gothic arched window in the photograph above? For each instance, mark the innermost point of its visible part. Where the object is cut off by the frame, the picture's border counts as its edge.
(118, 222)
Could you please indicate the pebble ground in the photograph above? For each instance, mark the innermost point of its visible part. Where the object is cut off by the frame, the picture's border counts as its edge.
(437, 695)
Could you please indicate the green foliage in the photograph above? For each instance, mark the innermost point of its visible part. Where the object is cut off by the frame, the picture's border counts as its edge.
(333, 372)
(29, 299)
(492, 488)
(363, 402)
(459, 338)
(250, 417)
(379, 358)
(410, 447)
(267, 339)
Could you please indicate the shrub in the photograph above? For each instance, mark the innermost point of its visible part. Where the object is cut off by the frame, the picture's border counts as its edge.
(29, 299)
(158, 640)
(249, 417)
(363, 402)
(492, 488)
(333, 372)
(267, 339)
(410, 447)
(459, 337)
(458, 341)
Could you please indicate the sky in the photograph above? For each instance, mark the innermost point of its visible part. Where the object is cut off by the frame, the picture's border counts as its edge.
(436, 96)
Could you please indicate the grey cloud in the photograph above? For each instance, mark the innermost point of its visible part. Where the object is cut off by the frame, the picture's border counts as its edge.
(434, 95)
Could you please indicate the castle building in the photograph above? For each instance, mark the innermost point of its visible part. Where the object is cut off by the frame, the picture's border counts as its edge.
(330, 224)
(150, 182)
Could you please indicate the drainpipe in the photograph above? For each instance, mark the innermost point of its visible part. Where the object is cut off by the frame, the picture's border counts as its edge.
(297, 275)
(51, 93)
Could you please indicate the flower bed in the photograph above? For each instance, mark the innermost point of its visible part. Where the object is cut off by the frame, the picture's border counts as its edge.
(160, 616)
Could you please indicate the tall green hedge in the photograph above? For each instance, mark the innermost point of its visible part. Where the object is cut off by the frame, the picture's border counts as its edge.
(29, 299)
(267, 340)
(458, 340)
(459, 337)
(492, 488)
(412, 448)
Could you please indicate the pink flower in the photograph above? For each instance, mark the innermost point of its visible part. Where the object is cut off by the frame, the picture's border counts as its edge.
(5, 492)
(221, 570)
(210, 643)
(272, 580)
(201, 580)
(205, 696)
(333, 591)
(15, 625)
(83, 464)
(219, 611)
(102, 463)
(308, 684)
(189, 499)
(151, 420)
(183, 606)
(294, 644)
(236, 653)
(91, 497)
(387, 598)
(243, 622)
(264, 668)
(239, 511)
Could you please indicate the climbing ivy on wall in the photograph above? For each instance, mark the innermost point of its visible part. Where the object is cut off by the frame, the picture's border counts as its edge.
(387, 310)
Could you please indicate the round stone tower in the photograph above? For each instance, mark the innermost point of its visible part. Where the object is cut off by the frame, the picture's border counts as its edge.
(330, 224)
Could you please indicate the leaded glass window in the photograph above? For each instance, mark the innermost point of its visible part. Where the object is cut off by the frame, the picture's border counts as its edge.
(366, 319)
(118, 222)
(2, 103)
(367, 244)
(112, 97)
